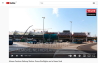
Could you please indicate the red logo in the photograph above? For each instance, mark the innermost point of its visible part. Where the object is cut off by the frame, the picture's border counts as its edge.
(91, 10)
(7, 2)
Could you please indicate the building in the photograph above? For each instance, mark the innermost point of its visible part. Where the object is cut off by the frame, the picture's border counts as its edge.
(66, 35)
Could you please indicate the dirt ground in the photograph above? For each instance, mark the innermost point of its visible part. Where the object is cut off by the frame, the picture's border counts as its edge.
(64, 45)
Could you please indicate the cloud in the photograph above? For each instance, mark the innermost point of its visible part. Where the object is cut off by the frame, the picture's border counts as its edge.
(55, 11)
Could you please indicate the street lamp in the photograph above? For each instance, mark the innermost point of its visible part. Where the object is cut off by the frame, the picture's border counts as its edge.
(58, 36)
(70, 30)
(43, 28)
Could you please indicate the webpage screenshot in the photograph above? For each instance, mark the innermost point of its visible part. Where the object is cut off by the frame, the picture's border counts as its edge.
(47, 29)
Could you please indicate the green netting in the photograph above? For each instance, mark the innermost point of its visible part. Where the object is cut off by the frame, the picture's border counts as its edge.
(23, 40)
(50, 36)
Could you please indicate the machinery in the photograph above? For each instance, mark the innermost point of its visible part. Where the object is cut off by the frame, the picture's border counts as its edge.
(10, 41)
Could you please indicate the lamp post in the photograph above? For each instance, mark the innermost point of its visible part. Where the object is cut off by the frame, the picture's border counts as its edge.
(70, 30)
(58, 36)
(43, 28)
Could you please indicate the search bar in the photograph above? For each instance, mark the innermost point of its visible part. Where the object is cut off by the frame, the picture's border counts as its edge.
(67, 3)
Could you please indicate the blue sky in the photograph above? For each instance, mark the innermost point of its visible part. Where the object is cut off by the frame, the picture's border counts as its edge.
(56, 18)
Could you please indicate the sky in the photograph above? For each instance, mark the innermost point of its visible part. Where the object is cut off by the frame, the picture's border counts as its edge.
(56, 19)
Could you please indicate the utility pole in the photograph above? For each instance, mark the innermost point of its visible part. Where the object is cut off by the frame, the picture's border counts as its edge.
(71, 31)
(43, 28)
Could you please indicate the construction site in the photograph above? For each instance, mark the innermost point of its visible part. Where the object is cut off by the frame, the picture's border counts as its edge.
(52, 45)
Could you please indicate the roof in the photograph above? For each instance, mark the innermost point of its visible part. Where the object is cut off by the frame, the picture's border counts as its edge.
(67, 34)
(79, 34)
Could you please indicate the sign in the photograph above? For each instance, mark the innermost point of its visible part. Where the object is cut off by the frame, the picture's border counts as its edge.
(91, 12)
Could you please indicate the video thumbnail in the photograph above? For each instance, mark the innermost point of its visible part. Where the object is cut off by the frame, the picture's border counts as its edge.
(52, 33)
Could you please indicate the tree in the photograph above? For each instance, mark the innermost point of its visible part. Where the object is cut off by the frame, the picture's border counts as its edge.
(16, 33)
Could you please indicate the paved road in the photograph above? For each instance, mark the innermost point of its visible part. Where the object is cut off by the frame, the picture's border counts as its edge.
(17, 46)
(87, 47)
(64, 53)
(52, 51)
(94, 47)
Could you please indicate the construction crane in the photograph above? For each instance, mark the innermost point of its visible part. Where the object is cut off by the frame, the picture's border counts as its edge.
(36, 29)
(40, 29)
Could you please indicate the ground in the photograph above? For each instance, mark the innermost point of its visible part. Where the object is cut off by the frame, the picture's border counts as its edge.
(52, 50)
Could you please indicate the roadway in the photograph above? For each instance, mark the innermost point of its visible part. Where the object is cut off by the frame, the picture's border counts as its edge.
(16, 46)
(51, 50)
